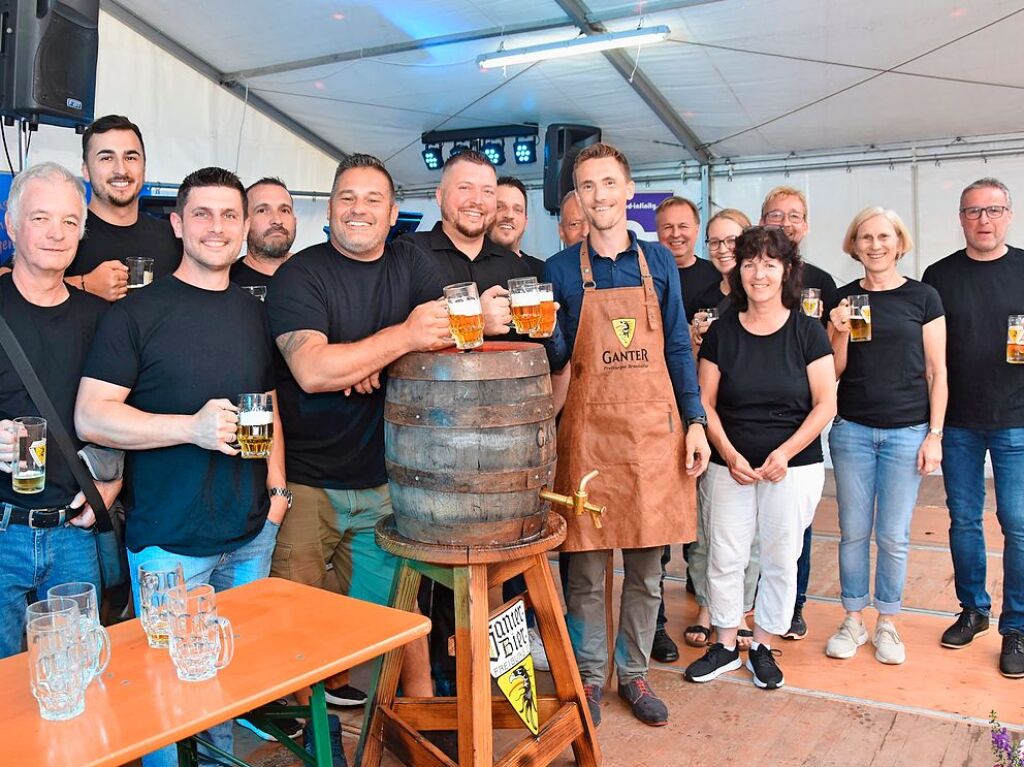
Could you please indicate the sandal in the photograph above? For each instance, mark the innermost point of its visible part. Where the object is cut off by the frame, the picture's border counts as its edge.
(697, 629)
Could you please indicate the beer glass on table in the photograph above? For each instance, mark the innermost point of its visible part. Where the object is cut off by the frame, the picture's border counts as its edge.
(465, 315)
(546, 318)
(156, 578)
(140, 272)
(28, 471)
(1015, 339)
(860, 318)
(58, 664)
(810, 302)
(255, 425)
(96, 638)
(525, 304)
(200, 641)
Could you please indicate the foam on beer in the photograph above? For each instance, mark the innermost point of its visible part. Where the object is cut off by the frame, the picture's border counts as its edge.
(545, 295)
(525, 298)
(464, 307)
(255, 418)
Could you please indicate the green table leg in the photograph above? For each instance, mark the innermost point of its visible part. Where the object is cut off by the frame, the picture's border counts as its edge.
(321, 728)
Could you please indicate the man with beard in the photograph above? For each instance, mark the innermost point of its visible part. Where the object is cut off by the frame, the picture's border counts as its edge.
(161, 381)
(572, 224)
(785, 207)
(114, 163)
(271, 233)
(510, 221)
(341, 311)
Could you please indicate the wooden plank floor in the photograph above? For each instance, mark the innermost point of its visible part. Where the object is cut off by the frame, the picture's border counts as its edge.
(931, 711)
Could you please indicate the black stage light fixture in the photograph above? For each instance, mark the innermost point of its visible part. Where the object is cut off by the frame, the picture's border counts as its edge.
(458, 148)
(525, 150)
(494, 151)
(433, 157)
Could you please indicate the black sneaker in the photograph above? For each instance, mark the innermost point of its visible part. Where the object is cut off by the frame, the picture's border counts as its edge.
(290, 727)
(1011, 657)
(664, 650)
(345, 696)
(713, 663)
(594, 693)
(969, 624)
(647, 707)
(761, 663)
(797, 627)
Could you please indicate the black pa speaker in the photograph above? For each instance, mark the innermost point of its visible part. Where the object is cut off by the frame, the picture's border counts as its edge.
(48, 60)
(562, 142)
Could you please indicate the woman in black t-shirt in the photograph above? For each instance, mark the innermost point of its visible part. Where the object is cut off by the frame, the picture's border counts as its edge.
(768, 385)
(888, 434)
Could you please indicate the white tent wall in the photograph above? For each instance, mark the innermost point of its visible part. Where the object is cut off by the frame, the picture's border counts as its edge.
(189, 122)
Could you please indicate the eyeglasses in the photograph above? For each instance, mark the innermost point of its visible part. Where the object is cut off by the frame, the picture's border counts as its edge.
(778, 216)
(716, 244)
(992, 211)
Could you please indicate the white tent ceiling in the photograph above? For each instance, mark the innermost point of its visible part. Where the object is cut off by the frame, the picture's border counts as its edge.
(744, 77)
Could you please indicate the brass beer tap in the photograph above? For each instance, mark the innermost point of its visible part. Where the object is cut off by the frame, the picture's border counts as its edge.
(579, 500)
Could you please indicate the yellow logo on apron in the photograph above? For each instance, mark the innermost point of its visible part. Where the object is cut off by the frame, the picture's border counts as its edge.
(624, 328)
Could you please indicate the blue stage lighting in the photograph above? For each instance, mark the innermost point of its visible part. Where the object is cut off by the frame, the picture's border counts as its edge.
(494, 151)
(432, 156)
(525, 150)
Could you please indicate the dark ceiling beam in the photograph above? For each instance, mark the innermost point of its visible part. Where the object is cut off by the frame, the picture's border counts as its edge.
(173, 47)
(639, 82)
(406, 46)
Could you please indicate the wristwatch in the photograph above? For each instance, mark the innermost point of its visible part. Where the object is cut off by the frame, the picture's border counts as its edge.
(700, 419)
(936, 432)
(284, 492)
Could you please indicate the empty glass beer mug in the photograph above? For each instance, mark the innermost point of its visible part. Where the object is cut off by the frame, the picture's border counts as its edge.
(58, 664)
(201, 641)
(96, 638)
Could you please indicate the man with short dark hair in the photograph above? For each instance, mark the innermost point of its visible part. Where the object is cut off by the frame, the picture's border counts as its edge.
(510, 221)
(161, 381)
(45, 538)
(785, 207)
(271, 233)
(114, 163)
(678, 223)
(982, 287)
(340, 313)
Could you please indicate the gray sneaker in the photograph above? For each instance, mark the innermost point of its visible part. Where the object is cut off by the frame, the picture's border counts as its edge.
(844, 643)
(889, 648)
(540, 656)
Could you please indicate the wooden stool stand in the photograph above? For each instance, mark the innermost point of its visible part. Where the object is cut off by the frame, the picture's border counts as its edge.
(470, 571)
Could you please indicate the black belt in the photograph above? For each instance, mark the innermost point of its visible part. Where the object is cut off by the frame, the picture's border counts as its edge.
(39, 518)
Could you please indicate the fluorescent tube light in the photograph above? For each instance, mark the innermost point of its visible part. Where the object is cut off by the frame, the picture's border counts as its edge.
(574, 47)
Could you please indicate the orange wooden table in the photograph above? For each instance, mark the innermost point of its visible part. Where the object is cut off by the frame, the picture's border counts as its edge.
(287, 636)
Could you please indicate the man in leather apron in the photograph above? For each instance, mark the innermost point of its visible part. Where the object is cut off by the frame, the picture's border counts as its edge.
(633, 412)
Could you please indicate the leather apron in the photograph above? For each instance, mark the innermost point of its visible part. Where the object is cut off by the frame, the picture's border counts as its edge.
(621, 418)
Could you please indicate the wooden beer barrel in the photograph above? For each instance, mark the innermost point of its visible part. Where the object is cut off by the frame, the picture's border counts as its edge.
(469, 440)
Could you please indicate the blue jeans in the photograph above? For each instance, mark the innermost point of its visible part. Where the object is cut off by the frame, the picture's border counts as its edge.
(875, 466)
(963, 470)
(222, 571)
(31, 561)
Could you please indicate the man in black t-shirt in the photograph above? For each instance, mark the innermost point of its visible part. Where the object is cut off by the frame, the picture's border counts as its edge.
(114, 163)
(161, 381)
(271, 233)
(982, 290)
(510, 221)
(341, 312)
(678, 223)
(46, 538)
(786, 207)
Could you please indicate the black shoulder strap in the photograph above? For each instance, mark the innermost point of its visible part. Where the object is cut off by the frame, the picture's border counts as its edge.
(23, 367)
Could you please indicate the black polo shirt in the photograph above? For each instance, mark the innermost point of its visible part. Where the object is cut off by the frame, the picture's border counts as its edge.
(494, 265)
(536, 265)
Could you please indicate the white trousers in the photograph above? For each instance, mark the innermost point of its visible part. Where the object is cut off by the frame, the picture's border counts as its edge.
(777, 513)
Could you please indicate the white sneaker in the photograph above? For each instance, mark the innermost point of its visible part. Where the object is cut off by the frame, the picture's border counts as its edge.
(844, 643)
(540, 657)
(889, 648)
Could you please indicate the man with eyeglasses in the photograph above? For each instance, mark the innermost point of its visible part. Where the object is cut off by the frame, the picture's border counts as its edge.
(786, 207)
(981, 285)
(678, 222)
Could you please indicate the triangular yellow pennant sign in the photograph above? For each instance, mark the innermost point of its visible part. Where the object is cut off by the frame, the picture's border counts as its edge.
(520, 687)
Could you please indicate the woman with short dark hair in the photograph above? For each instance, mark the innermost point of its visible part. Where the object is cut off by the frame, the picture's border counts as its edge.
(768, 386)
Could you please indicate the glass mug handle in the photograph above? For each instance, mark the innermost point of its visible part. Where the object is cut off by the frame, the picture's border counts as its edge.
(99, 637)
(227, 643)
